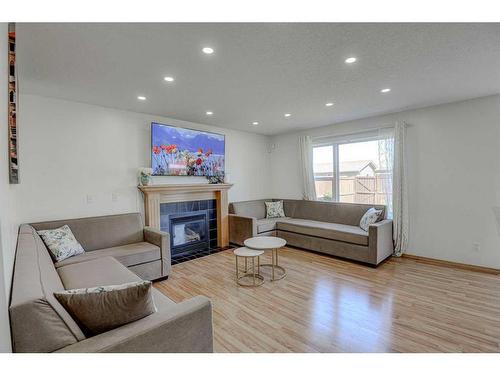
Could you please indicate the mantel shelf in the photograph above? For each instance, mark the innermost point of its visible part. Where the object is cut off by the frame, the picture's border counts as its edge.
(175, 188)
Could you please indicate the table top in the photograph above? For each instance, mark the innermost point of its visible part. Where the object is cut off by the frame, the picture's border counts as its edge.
(265, 243)
(246, 252)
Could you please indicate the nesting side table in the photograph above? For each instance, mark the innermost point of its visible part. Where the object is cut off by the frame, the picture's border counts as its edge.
(246, 253)
(269, 243)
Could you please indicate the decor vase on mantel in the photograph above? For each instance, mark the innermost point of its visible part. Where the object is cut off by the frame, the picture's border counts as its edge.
(145, 176)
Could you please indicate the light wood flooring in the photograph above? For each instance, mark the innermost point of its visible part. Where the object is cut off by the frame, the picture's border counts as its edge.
(329, 305)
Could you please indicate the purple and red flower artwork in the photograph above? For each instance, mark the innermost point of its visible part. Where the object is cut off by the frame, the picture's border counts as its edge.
(186, 152)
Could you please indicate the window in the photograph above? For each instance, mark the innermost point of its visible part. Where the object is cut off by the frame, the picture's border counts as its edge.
(323, 172)
(355, 169)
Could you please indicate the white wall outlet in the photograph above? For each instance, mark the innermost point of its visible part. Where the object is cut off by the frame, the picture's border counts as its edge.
(90, 199)
(476, 247)
(114, 197)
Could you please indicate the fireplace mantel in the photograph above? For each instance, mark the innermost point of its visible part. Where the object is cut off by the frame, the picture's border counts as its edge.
(154, 195)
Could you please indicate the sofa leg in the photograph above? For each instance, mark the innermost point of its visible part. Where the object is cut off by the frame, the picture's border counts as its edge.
(161, 279)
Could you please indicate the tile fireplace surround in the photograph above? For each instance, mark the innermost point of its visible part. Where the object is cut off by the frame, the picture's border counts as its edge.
(156, 196)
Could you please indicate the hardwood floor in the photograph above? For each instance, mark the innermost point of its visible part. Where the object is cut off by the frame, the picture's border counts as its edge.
(330, 305)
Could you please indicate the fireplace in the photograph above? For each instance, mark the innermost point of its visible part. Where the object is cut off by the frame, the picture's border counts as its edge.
(192, 226)
(158, 197)
(188, 233)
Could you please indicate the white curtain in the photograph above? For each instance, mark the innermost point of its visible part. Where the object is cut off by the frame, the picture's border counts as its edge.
(386, 168)
(400, 191)
(306, 160)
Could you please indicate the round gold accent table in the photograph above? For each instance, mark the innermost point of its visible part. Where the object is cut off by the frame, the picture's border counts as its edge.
(273, 244)
(246, 253)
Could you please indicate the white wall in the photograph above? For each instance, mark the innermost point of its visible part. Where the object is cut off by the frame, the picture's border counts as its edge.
(7, 218)
(69, 151)
(454, 176)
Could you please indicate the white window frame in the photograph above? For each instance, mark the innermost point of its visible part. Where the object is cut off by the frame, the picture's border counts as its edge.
(335, 142)
(333, 178)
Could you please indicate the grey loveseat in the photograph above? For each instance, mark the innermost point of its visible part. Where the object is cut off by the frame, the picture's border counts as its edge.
(327, 227)
(118, 250)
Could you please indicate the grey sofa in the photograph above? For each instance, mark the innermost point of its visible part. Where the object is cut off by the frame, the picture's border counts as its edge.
(119, 250)
(144, 250)
(327, 227)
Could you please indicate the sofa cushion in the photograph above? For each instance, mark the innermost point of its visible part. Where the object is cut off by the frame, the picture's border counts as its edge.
(101, 232)
(256, 208)
(95, 272)
(105, 271)
(333, 231)
(38, 321)
(103, 308)
(128, 255)
(266, 225)
(329, 212)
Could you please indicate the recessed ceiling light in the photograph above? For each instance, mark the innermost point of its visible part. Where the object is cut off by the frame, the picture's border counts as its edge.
(350, 60)
(329, 104)
(255, 123)
(209, 113)
(140, 97)
(169, 79)
(383, 91)
(288, 114)
(208, 50)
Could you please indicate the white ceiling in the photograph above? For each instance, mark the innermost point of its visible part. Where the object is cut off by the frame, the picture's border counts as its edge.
(259, 72)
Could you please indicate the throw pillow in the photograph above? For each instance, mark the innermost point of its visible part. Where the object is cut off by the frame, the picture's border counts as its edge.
(371, 216)
(274, 209)
(103, 308)
(61, 242)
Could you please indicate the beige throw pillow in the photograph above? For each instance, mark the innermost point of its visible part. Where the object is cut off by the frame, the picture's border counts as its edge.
(103, 308)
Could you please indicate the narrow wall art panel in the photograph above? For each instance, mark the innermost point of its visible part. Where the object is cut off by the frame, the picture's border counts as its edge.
(12, 108)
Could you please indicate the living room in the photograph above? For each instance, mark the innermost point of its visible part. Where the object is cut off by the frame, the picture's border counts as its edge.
(250, 187)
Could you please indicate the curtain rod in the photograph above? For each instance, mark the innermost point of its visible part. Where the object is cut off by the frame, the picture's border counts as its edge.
(352, 133)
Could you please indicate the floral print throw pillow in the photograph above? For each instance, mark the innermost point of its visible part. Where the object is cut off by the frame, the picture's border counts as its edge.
(274, 209)
(371, 216)
(61, 243)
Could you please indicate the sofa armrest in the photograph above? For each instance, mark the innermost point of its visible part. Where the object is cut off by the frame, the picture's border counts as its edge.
(380, 240)
(241, 228)
(162, 240)
(184, 328)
